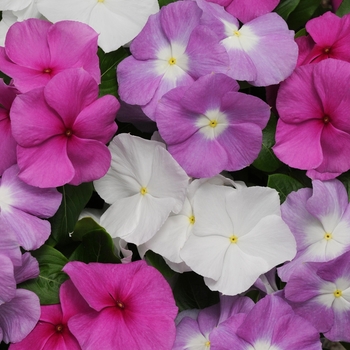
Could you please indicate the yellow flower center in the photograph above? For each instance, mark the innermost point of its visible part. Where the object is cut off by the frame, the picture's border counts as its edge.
(207, 344)
(100, 0)
(338, 293)
(59, 328)
(236, 33)
(143, 190)
(192, 219)
(213, 123)
(172, 61)
(233, 239)
(120, 304)
(327, 236)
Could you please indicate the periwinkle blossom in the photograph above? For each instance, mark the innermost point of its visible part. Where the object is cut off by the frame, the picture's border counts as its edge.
(63, 132)
(132, 306)
(321, 294)
(37, 50)
(23, 208)
(51, 331)
(254, 49)
(246, 10)
(313, 132)
(209, 126)
(270, 324)
(239, 235)
(171, 50)
(144, 185)
(194, 331)
(328, 37)
(116, 21)
(7, 142)
(319, 219)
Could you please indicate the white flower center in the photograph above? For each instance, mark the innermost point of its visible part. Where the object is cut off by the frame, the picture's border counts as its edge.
(6, 199)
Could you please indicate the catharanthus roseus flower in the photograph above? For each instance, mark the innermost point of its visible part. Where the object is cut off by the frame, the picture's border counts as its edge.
(270, 324)
(36, 50)
(62, 129)
(246, 10)
(116, 21)
(239, 234)
(313, 132)
(171, 50)
(51, 331)
(7, 142)
(328, 37)
(319, 219)
(321, 294)
(144, 185)
(132, 307)
(22, 208)
(254, 49)
(209, 126)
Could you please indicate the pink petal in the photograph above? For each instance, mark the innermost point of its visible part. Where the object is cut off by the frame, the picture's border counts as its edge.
(26, 44)
(78, 42)
(38, 124)
(8, 282)
(101, 113)
(28, 270)
(91, 159)
(69, 92)
(7, 143)
(46, 165)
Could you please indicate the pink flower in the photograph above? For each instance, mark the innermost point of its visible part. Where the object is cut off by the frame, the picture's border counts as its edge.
(132, 307)
(62, 134)
(313, 131)
(328, 37)
(52, 332)
(36, 50)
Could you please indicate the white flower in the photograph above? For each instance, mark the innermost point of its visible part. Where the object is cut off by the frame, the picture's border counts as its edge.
(239, 235)
(144, 185)
(117, 21)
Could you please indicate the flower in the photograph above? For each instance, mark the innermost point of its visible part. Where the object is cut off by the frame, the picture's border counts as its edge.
(132, 306)
(321, 294)
(313, 132)
(51, 331)
(144, 185)
(319, 219)
(328, 38)
(239, 234)
(173, 49)
(209, 126)
(22, 208)
(36, 50)
(62, 134)
(254, 49)
(117, 22)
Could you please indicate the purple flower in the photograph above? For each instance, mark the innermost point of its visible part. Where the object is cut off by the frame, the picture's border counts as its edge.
(320, 222)
(321, 294)
(210, 127)
(22, 208)
(171, 50)
(36, 50)
(132, 307)
(62, 134)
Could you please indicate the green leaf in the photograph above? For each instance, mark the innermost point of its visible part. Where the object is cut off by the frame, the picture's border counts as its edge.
(345, 345)
(284, 184)
(73, 202)
(190, 292)
(301, 32)
(47, 284)
(83, 227)
(165, 2)
(267, 161)
(303, 12)
(286, 7)
(159, 263)
(344, 8)
(96, 246)
(345, 179)
(108, 66)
